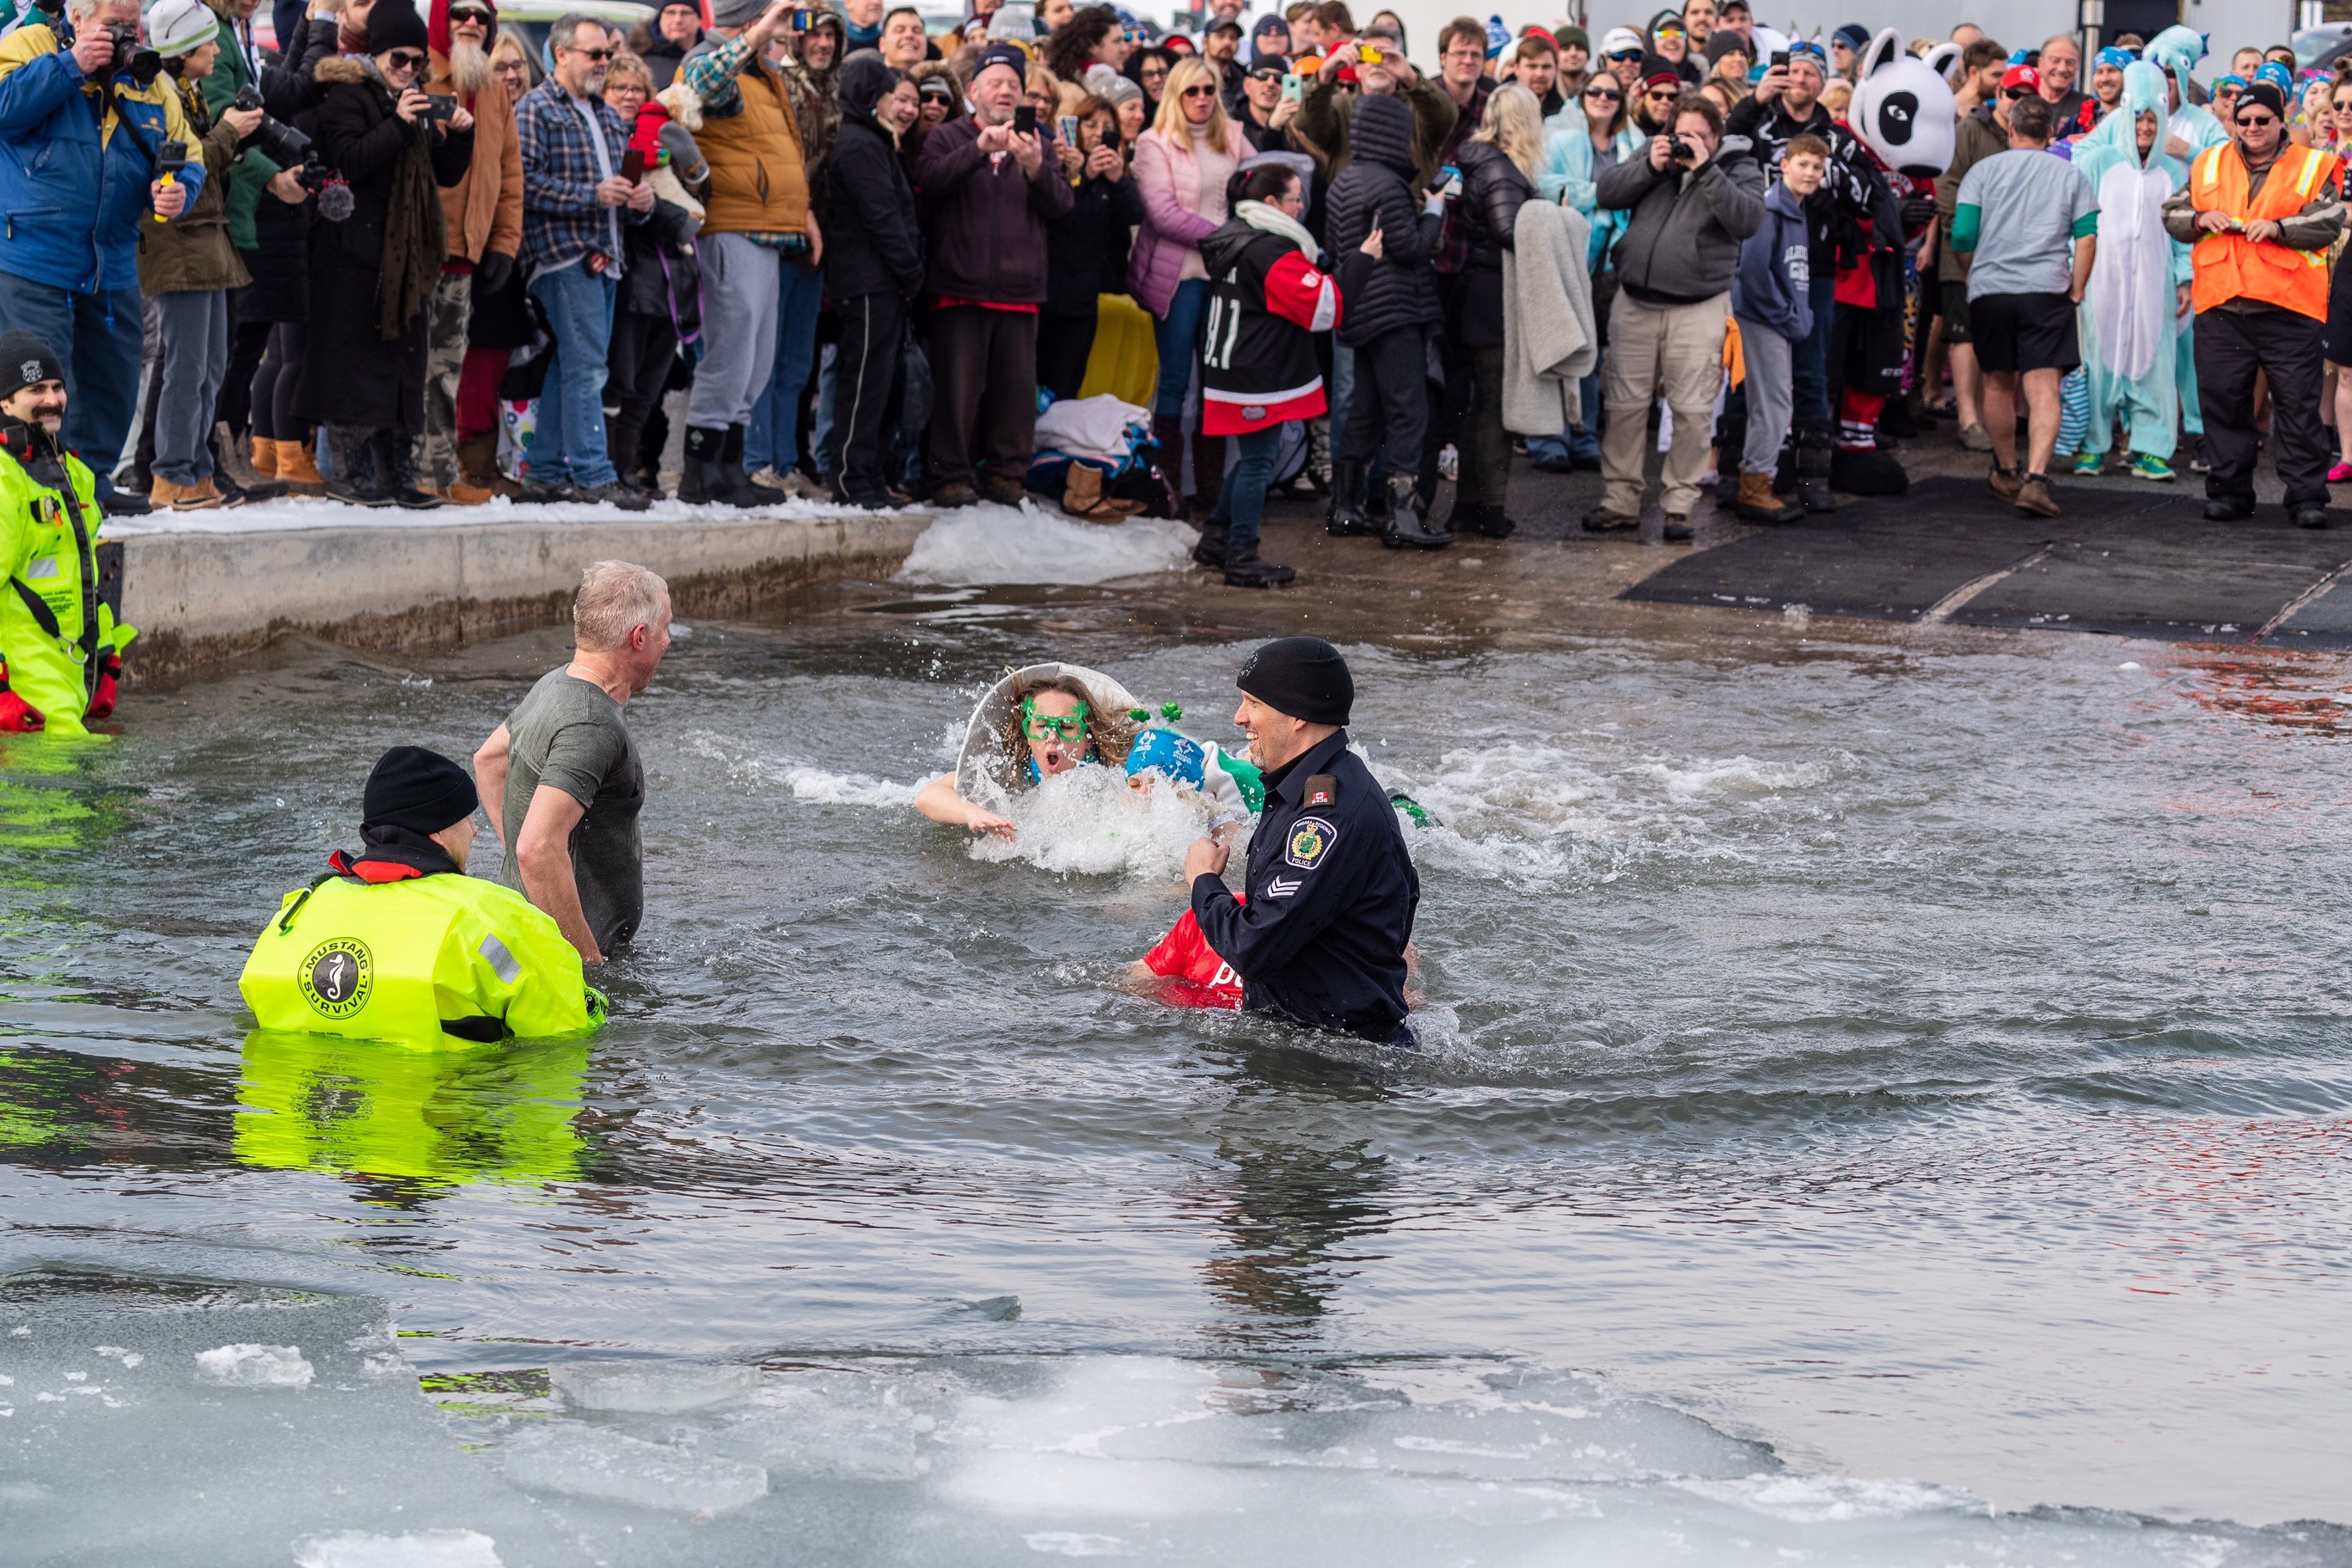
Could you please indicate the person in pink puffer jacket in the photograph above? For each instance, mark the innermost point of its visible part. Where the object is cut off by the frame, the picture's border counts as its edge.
(1182, 165)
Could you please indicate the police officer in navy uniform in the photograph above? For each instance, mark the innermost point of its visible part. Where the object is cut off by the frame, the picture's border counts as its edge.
(1331, 892)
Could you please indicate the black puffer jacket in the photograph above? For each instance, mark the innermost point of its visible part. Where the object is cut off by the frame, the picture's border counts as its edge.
(871, 243)
(1086, 247)
(1486, 215)
(1374, 191)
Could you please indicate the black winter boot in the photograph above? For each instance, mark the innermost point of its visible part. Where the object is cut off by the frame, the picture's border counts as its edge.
(1815, 455)
(395, 469)
(702, 480)
(1347, 518)
(355, 479)
(1213, 550)
(1168, 454)
(1245, 570)
(1405, 529)
(740, 490)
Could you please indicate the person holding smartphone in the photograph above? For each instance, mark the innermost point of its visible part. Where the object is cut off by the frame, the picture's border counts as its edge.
(1086, 251)
(1182, 167)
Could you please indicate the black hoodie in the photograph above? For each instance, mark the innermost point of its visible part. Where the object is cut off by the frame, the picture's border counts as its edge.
(1375, 190)
(871, 243)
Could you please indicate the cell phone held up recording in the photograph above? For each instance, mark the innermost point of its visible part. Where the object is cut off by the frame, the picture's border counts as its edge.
(800, 21)
(439, 106)
(1069, 126)
(1110, 136)
(1025, 119)
(1294, 88)
(633, 165)
(1779, 59)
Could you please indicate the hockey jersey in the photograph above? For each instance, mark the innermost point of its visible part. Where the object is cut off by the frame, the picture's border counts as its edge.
(1258, 366)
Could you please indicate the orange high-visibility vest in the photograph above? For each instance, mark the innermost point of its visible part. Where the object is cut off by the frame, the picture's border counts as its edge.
(2231, 267)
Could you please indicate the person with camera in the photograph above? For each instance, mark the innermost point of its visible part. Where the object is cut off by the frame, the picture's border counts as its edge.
(84, 121)
(874, 270)
(992, 189)
(1693, 199)
(372, 274)
(756, 221)
(483, 215)
(187, 268)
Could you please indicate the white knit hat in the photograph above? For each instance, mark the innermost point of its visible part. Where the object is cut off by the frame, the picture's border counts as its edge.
(175, 26)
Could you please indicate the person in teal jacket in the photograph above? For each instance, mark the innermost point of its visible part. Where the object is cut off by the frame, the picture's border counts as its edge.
(82, 126)
(2135, 350)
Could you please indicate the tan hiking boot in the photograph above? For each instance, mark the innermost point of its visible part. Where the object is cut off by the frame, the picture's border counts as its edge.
(298, 470)
(265, 457)
(2033, 496)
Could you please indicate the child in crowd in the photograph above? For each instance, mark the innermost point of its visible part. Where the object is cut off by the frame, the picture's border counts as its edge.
(1771, 301)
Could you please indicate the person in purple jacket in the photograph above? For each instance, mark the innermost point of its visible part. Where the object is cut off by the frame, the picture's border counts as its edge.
(1771, 301)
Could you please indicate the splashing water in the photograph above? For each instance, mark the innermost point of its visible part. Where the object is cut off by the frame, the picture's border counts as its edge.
(1090, 822)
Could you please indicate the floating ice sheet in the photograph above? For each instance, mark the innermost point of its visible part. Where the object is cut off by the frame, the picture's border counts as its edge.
(426, 1549)
(991, 543)
(254, 1366)
(592, 1462)
(651, 1387)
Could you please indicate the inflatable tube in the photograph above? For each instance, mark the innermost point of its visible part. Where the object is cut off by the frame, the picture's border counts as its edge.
(977, 764)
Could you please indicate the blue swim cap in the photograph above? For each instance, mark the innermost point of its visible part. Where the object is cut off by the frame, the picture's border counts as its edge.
(1168, 754)
(2278, 75)
(2118, 58)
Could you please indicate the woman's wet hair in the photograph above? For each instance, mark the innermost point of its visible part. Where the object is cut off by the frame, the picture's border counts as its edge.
(1111, 730)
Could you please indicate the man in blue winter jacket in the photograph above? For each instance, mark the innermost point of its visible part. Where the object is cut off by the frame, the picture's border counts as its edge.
(85, 119)
(1771, 301)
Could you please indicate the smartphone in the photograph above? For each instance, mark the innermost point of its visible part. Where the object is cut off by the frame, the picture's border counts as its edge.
(1025, 119)
(1780, 60)
(1449, 180)
(633, 165)
(1294, 88)
(439, 107)
(800, 21)
(1069, 126)
(1110, 136)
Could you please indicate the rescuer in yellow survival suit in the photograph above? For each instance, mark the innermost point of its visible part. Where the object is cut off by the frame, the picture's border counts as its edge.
(398, 943)
(61, 651)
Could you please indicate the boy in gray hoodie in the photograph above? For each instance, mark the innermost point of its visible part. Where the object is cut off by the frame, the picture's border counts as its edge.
(1771, 301)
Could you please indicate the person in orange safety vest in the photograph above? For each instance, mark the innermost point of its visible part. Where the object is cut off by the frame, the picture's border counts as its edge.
(2261, 215)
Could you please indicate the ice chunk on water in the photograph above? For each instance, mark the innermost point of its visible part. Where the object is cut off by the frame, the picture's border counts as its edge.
(589, 1461)
(1077, 1543)
(843, 1426)
(254, 1366)
(652, 1387)
(425, 1548)
(991, 543)
(1824, 1499)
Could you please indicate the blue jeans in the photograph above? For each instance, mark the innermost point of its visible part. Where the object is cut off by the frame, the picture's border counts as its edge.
(1241, 502)
(98, 340)
(828, 376)
(1579, 443)
(570, 441)
(770, 440)
(1810, 372)
(1178, 333)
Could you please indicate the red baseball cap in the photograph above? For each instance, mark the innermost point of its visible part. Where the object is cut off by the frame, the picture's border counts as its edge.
(2025, 76)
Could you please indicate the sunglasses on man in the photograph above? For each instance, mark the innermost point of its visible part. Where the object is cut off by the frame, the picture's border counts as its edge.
(591, 54)
(2257, 120)
(1623, 55)
(471, 13)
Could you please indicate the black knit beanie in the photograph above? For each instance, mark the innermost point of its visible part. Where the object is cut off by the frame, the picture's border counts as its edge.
(1303, 676)
(26, 359)
(421, 791)
(395, 25)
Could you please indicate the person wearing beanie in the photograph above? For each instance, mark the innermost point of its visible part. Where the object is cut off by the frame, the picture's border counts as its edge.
(1269, 41)
(756, 226)
(187, 268)
(1575, 46)
(2262, 215)
(676, 28)
(990, 191)
(71, 278)
(397, 943)
(1845, 49)
(60, 649)
(365, 349)
(1330, 889)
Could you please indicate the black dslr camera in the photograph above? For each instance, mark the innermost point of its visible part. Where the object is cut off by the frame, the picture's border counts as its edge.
(290, 149)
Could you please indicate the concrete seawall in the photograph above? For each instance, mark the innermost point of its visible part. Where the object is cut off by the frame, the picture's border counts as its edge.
(198, 596)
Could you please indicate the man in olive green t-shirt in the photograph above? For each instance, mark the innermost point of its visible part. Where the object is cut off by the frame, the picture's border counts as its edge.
(565, 770)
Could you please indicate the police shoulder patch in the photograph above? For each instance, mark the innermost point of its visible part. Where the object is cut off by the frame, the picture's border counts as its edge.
(1310, 839)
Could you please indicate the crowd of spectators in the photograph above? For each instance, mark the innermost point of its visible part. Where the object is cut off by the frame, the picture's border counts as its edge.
(405, 259)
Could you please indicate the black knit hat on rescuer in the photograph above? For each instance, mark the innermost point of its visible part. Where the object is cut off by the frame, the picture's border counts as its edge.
(421, 791)
(26, 359)
(395, 25)
(1303, 676)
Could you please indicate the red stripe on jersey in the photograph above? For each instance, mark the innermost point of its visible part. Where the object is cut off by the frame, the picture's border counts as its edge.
(1297, 292)
(1231, 413)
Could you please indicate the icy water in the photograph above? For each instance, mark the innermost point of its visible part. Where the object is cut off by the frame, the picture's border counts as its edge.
(1882, 1104)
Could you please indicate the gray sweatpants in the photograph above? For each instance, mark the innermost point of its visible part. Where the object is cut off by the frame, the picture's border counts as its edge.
(1771, 395)
(740, 298)
(195, 332)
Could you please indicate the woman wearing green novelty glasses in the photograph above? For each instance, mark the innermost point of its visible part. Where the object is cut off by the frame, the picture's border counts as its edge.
(1056, 726)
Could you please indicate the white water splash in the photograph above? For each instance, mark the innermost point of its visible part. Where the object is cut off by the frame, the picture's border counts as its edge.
(1090, 822)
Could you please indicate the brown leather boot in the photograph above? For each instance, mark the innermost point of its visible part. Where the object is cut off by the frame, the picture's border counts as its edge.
(265, 457)
(478, 464)
(298, 470)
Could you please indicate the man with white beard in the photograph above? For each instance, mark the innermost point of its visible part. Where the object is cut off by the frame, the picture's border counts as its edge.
(483, 216)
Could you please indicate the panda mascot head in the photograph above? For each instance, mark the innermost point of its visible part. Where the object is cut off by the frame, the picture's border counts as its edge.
(1903, 105)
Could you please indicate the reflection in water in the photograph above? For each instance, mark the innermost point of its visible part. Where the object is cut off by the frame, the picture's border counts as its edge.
(1292, 1204)
(2294, 692)
(502, 1113)
(38, 808)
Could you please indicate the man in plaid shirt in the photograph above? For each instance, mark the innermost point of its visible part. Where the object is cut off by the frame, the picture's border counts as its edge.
(574, 201)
